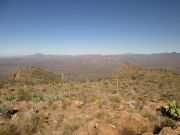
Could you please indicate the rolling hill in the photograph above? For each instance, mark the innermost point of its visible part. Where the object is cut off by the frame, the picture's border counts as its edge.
(34, 74)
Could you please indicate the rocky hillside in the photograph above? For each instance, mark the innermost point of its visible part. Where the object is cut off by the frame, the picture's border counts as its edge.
(147, 83)
(34, 74)
(133, 101)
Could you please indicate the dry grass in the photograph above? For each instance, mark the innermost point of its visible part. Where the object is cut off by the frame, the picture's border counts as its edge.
(100, 101)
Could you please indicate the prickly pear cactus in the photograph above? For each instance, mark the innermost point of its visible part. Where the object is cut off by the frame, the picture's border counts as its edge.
(173, 109)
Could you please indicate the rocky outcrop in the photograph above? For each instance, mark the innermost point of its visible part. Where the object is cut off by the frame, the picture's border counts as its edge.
(35, 74)
(170, 131)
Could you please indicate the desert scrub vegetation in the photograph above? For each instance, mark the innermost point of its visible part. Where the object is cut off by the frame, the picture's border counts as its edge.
(36, 97)
(34, 75)
(8, 129)
(71, 109)
(105, 117)
(71, 125)
(26, 126)
(53, 98)
(38, 120)
(155, 84)
(8, 97)
(32, 125)
(115, 98)
(4, 109)
(23, 95)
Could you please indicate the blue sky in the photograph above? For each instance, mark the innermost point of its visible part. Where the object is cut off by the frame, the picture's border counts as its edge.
(89, 26)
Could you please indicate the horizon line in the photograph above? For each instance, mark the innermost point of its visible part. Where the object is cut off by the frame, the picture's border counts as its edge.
(101, 54)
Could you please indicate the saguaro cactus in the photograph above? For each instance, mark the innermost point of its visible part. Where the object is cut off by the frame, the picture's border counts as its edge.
(62, 77)
(117, 83)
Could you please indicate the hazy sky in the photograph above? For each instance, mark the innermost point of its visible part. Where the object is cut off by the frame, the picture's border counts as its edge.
(89, 26)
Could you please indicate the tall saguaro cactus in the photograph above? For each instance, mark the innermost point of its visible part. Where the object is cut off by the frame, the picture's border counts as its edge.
(62, 77)
(117, 83)
(66, 79)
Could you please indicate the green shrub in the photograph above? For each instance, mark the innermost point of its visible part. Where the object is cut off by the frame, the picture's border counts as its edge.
(115, 98)
(53, 98)
(34, 124)
(3, 108)
(36, 97)
(9, 97)
(23, 95)
(7, 111)
(38, 120)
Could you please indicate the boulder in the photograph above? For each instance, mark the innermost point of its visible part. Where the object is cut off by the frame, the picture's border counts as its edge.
(106, 129)
(170, 131)
(76, 103)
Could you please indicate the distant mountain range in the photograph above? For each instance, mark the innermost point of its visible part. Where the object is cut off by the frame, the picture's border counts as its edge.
(88, 67)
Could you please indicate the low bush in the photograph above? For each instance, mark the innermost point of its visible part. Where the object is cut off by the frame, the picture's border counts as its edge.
(23, 95)
(8, 97)
(53, 98)
(33, 124)
(4, 109)
(69, 126)
(36, 97)
(115, 98)
(9, 130)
